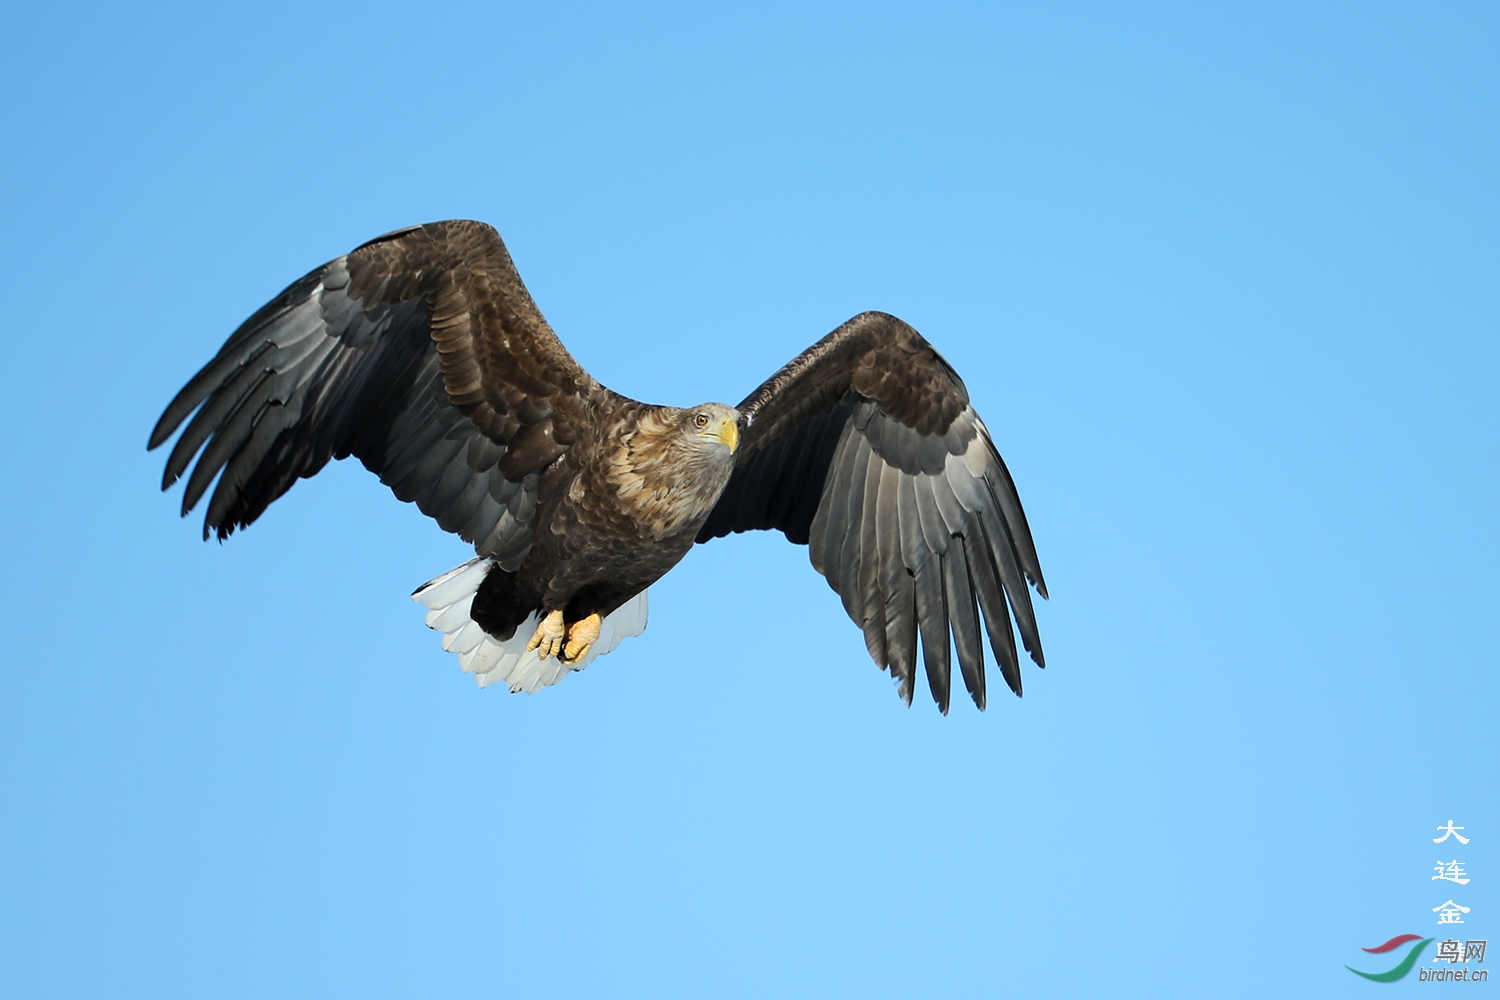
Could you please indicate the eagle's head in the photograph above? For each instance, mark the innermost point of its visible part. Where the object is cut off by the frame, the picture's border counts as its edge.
(670, 464)
(710, 427)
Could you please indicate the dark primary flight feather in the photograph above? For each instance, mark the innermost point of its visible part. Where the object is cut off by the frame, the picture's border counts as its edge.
(866, 449)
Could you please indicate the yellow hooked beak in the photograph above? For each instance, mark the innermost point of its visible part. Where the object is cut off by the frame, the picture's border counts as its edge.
(728, 434)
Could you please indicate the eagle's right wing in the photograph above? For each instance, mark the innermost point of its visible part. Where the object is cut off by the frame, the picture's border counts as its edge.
(422, 354)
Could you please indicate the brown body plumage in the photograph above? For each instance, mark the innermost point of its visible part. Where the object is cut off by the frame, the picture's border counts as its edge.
(613, 516)
(422, 354)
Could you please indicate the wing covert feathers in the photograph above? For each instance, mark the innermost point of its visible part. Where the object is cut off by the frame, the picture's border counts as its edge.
(865, 447)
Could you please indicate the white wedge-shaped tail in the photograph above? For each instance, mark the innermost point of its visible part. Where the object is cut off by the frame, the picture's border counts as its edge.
(447, 600)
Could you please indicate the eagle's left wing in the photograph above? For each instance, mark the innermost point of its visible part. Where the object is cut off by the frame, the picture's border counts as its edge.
(422, 354)
(865, 448)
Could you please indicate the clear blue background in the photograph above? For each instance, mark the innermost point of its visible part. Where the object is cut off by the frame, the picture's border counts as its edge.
(1223, 284)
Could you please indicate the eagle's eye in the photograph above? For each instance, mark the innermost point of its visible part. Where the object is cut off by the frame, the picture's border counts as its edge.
(701, 420)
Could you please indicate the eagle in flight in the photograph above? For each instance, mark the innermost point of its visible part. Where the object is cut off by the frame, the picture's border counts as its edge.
(422, 354)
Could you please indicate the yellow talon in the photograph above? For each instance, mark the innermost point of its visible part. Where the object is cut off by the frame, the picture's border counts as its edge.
(549, 635)
(581, 635)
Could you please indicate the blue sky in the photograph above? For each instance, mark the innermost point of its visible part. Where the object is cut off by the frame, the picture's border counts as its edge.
(1221, 282)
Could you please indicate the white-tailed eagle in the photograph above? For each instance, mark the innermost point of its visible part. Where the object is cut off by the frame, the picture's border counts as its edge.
(422, 354)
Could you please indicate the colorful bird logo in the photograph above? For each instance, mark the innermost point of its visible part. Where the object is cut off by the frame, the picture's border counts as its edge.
(1402, 967)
